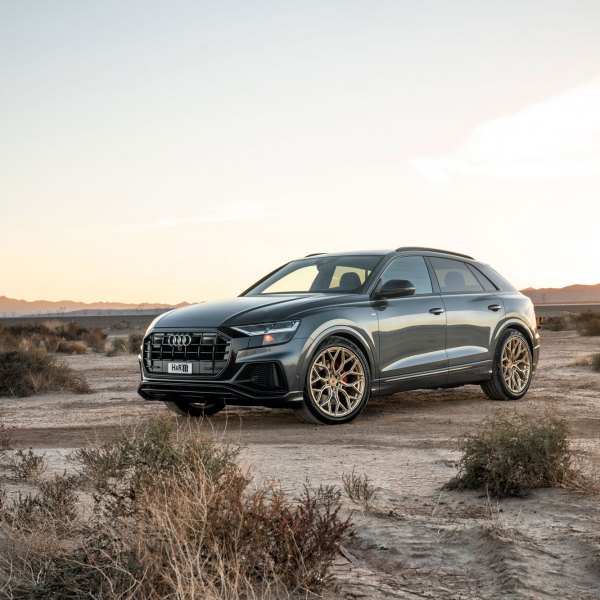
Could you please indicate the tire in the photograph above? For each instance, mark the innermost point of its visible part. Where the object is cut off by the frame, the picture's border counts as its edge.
(511, 369)
(195, 409)
(338, 384)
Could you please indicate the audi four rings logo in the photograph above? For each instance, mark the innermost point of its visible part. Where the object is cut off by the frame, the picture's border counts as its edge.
(180, 339)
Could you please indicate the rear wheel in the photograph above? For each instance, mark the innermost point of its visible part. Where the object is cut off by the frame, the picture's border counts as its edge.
(512, 368)
(338, 384)
(195, 409)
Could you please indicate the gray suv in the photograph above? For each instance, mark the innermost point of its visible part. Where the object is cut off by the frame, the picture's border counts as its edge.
(324, 333)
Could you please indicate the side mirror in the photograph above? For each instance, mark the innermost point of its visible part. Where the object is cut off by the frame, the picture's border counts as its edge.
(395, 288)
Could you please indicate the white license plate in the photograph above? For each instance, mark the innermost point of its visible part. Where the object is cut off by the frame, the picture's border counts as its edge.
(179, 367)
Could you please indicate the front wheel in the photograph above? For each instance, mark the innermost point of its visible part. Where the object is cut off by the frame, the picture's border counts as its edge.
(512, 369)
(338, 384)
(195, 409)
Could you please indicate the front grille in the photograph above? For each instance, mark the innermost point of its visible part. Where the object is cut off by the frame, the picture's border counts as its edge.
(207, 352)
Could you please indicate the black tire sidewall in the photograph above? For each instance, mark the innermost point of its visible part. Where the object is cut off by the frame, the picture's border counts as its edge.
(327, 419)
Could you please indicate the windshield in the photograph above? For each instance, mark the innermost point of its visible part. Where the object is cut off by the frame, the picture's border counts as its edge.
(317, 275)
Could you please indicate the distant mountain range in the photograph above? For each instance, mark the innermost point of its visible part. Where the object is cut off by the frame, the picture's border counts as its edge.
(11, 307)
(570, 294)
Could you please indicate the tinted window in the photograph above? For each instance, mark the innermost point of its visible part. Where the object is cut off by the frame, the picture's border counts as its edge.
(410, 268)
(488, 286)
(455, 276)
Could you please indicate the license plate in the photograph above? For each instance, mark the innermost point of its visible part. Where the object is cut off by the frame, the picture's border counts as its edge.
(179, 367)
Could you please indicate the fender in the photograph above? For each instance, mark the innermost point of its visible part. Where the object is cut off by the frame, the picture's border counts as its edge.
(511, 322)
(313, 344)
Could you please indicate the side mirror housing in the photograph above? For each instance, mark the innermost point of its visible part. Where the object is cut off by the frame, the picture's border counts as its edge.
(395, 288)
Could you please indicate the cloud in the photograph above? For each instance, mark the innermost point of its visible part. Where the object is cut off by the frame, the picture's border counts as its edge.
(559, 137)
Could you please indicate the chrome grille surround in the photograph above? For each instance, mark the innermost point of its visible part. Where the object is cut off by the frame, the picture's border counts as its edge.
(208, 352)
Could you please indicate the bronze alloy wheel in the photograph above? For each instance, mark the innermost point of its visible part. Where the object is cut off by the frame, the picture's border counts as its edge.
(516, 364)
(512, 368)
(337, 381)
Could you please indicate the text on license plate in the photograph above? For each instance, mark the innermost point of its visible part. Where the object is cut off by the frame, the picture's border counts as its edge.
(179, 367)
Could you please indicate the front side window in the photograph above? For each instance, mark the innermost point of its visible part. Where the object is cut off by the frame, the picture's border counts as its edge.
(409, 268)
(317, 275)
(454, 276)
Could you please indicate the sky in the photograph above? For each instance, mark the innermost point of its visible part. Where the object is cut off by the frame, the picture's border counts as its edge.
(178, 151)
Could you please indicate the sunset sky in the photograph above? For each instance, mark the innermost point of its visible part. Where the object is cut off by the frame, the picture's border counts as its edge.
(171, 151)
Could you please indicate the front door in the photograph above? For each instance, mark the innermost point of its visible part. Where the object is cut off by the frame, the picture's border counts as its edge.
(412, 333)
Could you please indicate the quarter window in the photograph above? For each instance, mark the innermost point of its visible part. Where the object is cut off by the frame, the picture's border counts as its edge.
(455, 276)
(410, 268)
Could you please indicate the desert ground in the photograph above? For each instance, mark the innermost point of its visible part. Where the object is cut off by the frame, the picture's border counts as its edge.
(416, 541)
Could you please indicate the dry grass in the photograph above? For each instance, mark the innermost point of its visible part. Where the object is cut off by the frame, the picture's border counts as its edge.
(27, 466)
(359, 489)
(562, 323)
(128, 345)
(511, 456)
(588, 323)
(27, 372)
(53, 336)
(173, 516)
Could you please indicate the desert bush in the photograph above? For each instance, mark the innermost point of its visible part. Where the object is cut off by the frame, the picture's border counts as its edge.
(27, 466)
(510, 456)
(26, 372)
(66, 347)
(6, 438)
(596, 362)
(51, 508)
(128, 345)
(359, 489)
(588, 323)
(53, 336)
(561, 323)
(175, 516)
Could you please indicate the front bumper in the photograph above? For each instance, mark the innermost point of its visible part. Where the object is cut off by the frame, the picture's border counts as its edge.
(264, 376)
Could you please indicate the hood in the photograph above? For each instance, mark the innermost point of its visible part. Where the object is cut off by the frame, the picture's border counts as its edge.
(246, 310)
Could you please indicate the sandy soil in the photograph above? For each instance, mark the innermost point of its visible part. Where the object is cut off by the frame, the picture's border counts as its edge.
(417, 541)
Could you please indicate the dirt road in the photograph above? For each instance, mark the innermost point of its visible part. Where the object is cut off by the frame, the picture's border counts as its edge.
(417, 541)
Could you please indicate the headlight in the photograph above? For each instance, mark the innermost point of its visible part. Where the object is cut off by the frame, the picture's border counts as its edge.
(267, 334)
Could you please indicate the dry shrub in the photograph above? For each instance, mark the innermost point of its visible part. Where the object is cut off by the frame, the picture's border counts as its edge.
(596, 362)
(71, 347)
(6, 438)
(562, 323)
(174, 516)
(510, 456)
(53, 336)
(26, 372)
(359, 488)
(588, 323)
(27, 466)
(128, 345)
(51, 508)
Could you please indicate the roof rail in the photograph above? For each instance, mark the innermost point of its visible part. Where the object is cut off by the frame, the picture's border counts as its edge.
(315, 254)
(419, 248)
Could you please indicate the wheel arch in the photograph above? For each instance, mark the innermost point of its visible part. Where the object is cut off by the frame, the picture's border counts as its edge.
(344, 332)
(519, 326)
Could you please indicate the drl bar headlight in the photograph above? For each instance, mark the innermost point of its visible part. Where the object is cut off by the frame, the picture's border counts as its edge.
(268, 334)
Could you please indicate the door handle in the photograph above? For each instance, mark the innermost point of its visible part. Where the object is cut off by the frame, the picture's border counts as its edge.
(436, 311)
(494, 307)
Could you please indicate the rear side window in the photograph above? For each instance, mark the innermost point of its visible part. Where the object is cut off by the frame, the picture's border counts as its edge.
(455, 276)
(410, 268)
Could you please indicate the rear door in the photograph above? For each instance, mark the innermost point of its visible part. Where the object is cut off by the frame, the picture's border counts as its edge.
(411, 329)
(473, 311)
